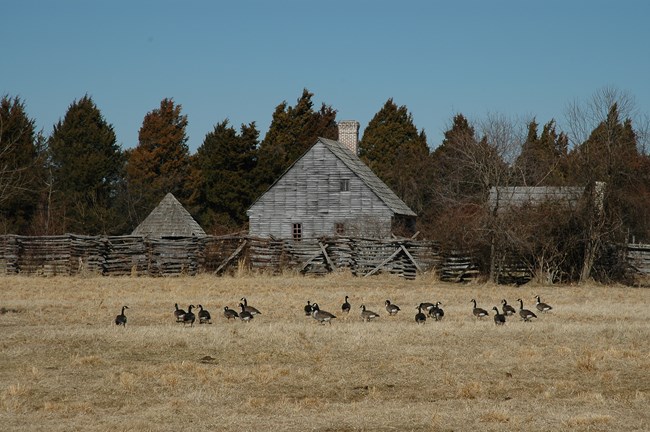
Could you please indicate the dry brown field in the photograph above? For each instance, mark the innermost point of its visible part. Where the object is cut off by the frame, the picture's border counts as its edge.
(65, 366)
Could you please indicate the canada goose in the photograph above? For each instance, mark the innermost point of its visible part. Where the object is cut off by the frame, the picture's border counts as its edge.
(250, 309)
(204, 316)
(320, 315)
(189, 317)
(542, 307)
(477, 311)
(525, 314)
(178, 313)
(367, 315)
(427, 306)
(308, 309)
(436, 312)
(507, 309)
(230, 313)
(499, 319)
(121, 318)
(392, 309)
(245, 315)
(345, 307)
(420, 317)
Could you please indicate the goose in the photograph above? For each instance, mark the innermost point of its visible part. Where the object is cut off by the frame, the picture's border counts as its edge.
(436, 312)
(477, 311)
(392, 309)
(250, 309)
(178, 313)
(121, 318)
(230, 313)
(308, 309)
(499, 319)
(245, 315)
(420, 317)
(345, 307)
(542, 307)
(507, 309)
(427, 306)
(189, 317)
(525, 314)
(204, 316)
(367, 315)
(320, 315)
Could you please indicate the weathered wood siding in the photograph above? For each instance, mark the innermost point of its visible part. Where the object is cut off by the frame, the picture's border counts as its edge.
(309, 194)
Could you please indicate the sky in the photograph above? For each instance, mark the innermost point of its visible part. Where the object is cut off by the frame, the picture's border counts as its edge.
(240, 59)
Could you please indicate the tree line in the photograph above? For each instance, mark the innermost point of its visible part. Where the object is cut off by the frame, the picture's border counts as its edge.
(79, 180)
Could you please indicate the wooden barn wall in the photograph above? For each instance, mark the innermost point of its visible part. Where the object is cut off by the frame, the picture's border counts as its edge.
(309, 193)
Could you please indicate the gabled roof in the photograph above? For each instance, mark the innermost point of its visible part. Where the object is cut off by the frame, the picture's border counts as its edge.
(169, 219)
(515, 196)
(361, 170)
(352, 161)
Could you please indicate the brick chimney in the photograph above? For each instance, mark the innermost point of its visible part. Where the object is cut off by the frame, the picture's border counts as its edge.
(349, 135)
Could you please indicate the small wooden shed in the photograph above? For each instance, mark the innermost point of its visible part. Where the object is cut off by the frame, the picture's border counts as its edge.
(329, 191)
(507, 197)
(169, 219)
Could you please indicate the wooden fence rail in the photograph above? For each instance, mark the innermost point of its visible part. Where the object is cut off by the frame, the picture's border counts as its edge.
(638, 256)
(135, 255)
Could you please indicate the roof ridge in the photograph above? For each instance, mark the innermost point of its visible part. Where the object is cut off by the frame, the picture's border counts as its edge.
(369, 178)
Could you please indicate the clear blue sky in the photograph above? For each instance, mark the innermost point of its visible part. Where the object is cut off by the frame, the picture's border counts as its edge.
(239, 59)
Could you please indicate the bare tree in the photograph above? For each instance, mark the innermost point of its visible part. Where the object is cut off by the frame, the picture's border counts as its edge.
(583, 116)
(609, 138)
(504, 137)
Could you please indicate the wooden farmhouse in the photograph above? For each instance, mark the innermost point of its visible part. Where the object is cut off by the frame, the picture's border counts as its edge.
(328, 192)
(169, 219)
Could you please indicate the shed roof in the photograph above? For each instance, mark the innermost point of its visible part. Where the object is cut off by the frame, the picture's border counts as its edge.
(515, 196)
(169, 219)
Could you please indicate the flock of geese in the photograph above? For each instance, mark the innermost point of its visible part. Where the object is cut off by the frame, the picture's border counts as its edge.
(425, 309)
(432, 310)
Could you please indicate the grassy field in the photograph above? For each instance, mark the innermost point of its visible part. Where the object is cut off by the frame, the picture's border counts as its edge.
(65, 366)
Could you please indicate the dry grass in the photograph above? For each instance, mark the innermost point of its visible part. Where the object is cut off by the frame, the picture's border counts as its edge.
(66, 366)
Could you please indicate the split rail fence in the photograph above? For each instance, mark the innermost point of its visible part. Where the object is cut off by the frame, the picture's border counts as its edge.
(136, 255)
(638, 258)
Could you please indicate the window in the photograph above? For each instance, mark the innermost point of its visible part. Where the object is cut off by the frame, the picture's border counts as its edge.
(297, 231)
(339, 228)
(344, 185)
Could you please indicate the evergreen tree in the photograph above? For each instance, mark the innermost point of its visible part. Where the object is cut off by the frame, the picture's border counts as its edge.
(293, 130)
(610, 155)
(161, 162)
(463, 164)
(398, 154)
(222, 167)
(388, 137)
(609, 152)
(543, 160)
(86, 164)
(21, 167)
(458, 189)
